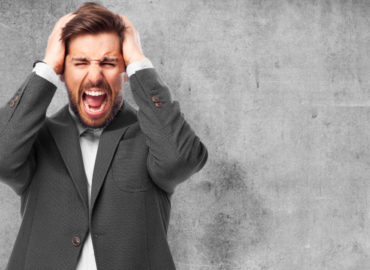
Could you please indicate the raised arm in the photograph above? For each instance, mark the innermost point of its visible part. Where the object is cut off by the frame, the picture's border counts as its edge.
(175, 152)
(24, 115)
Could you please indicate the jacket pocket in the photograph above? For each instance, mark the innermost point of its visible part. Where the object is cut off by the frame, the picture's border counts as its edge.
(129, 167)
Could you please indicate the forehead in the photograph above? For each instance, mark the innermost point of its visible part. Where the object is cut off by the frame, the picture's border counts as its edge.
(95, 46)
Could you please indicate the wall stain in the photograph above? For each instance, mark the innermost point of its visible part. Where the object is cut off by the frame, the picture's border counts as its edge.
(314, 114)
(257, 76)
(238, 220)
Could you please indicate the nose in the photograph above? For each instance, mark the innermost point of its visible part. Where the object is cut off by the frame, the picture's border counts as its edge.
(95, 73)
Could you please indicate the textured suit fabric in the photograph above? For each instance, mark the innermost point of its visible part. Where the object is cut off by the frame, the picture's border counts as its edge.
(141, 158)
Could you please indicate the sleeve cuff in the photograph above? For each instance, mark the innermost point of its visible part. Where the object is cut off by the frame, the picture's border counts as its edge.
(46, 72)
(136, 66)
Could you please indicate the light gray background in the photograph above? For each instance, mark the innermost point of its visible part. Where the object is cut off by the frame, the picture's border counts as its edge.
(278, 91)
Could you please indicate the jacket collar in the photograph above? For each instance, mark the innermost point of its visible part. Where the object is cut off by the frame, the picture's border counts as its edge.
(66, 135)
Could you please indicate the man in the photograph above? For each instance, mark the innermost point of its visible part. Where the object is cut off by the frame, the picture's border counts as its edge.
(95, 179)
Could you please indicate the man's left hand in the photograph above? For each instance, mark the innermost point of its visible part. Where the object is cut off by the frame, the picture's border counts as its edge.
(131, 47)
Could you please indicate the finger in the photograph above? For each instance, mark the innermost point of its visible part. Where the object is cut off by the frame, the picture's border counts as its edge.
(65, 19)
(138, 41)
(128, 24)
(68, 18)
(126, 20)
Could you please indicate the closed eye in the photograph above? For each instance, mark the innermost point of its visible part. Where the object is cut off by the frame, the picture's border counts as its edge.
(108, 64)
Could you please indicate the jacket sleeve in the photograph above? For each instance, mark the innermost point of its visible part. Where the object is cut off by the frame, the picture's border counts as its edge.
(175, 152)
(20, 120)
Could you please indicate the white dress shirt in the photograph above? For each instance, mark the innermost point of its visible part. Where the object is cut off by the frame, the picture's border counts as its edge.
(89, 142)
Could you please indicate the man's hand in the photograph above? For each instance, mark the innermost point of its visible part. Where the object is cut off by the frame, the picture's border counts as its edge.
(55, 50)
(131, 47)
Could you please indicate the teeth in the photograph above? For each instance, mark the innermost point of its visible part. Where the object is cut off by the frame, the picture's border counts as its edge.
(95, 110)
(94, 93)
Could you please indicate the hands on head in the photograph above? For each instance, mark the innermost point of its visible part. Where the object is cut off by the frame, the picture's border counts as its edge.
(131, 46)
(55, 51)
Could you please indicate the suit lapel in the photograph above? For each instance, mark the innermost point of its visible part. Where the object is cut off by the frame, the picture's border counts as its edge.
(108, 143)
(66, 137)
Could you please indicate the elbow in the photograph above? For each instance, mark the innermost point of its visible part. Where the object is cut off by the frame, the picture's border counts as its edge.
(15, 175)
(167, 174)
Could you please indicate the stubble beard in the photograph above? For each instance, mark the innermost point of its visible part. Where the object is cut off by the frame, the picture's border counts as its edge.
(74, 102)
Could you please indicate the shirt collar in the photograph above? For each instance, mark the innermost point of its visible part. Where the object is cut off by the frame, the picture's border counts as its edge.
(81, 129)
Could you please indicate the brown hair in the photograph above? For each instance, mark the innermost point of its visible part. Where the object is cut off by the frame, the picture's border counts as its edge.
(92, 18)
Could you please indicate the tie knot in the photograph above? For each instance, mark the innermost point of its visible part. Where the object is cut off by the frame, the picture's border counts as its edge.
(91, 133)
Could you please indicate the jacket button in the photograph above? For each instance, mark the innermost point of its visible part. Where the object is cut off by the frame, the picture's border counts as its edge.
(155, 99)
(76, 241)
(16, 98)
(158, 104)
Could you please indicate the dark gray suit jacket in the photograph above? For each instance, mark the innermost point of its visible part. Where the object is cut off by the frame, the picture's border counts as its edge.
(141, 158)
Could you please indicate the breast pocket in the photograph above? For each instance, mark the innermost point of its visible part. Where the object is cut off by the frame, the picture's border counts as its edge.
(129, 167)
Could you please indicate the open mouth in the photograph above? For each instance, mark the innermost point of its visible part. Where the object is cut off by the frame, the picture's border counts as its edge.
(95, 101)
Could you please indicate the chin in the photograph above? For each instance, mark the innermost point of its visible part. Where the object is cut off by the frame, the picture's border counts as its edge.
(96, 123)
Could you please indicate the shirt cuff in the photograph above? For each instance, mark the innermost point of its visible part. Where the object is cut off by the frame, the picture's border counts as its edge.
(139, 65)
(46, 72)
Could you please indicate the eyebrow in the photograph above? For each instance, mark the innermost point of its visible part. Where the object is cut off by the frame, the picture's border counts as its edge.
(105, 59)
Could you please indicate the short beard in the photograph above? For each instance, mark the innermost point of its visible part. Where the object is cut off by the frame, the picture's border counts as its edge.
(117, 104)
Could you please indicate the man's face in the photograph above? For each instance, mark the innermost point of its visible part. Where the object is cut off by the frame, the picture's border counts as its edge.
(93, 74)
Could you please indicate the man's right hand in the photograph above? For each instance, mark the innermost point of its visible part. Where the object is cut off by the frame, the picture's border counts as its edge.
(55, 51)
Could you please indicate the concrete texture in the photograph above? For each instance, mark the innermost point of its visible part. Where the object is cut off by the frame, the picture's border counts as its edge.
(279, 92)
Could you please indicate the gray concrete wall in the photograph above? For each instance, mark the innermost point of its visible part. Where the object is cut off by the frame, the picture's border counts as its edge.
(278, 90)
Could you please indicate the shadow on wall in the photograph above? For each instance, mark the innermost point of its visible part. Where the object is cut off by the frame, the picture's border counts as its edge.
(238, 223)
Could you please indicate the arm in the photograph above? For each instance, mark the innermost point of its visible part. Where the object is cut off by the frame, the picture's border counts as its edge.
(23, 117)
(175, 152)
(20, 121)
